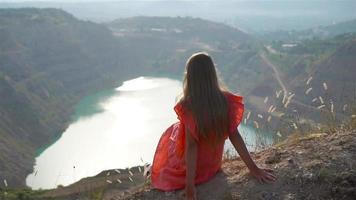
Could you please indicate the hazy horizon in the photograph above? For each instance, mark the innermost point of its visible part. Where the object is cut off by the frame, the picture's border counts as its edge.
(250, 16)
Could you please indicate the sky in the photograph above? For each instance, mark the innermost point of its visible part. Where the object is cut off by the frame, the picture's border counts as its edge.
(110, 0)
(10, 1)
(86, 0)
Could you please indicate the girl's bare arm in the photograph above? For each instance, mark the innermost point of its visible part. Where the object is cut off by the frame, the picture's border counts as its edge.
(263, 175)
(191, 151)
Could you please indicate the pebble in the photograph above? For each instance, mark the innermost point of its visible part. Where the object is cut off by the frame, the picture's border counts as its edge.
(290, 161)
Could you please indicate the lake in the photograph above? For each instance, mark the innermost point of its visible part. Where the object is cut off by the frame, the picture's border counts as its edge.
(116, 128)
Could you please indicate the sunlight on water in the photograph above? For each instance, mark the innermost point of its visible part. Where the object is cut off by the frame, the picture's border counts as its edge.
(126, 131)
(140, 83)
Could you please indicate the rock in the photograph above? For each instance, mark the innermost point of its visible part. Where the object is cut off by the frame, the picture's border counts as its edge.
(268, 196)
(290, 161)
(307, 175)
(215, 189)
(274, 158)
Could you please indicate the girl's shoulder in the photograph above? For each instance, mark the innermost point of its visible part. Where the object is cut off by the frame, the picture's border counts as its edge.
(179, 104)
(180, 108)
(233, 98)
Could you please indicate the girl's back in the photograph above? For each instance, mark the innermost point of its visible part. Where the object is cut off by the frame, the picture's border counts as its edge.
(190, 151)
(207, 114)
(169, 169)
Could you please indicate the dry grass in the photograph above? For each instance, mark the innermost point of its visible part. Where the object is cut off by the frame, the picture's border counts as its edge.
(282, 118)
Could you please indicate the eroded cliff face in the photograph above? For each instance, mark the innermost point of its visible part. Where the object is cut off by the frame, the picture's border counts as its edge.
(48, 61)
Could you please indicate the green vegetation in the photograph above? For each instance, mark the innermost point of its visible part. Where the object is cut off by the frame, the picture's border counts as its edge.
(20, 194)
(96, 195)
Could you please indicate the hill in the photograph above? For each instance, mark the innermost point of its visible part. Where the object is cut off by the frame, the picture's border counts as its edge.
(337, 70)
(315, 166)
(48, 61)
(306, 168)
(316, 84)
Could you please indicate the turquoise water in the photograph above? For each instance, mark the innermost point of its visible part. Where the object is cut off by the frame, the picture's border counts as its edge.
(89, 106)
(115, 128)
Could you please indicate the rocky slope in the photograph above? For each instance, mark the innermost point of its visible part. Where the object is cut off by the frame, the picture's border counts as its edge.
(318, 77)
(48, 61)
(318, 166)
(315, 166)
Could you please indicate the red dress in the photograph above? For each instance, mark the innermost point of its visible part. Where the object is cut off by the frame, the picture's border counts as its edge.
(168, 167)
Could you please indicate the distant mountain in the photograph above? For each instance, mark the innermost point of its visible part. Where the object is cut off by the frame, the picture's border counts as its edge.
(336, 29)
(251, 15)
(320, 32)
(167, 42)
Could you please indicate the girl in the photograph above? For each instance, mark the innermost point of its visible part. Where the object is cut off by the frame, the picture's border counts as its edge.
(190, 151)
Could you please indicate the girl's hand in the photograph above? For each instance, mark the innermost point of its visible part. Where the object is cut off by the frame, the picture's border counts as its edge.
(263, 175)
(190, 193)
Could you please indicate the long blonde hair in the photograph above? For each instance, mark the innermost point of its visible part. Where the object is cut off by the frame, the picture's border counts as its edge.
(204, 97)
